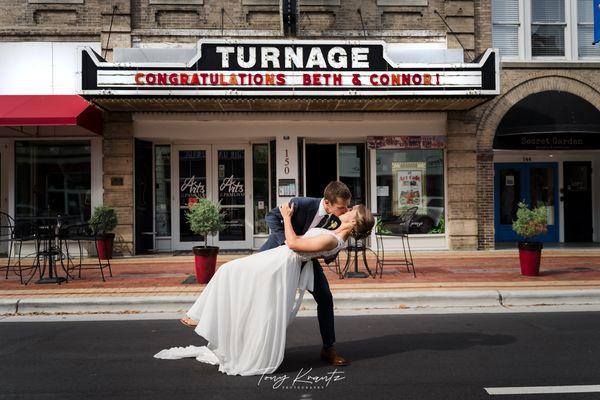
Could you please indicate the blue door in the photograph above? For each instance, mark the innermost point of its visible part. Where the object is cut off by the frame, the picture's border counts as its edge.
(534, 183)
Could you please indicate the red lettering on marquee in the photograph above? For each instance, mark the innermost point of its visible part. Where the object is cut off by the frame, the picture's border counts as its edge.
(373, 79)
(270, 79)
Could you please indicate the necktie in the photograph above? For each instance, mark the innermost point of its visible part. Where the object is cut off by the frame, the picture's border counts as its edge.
(323, 221)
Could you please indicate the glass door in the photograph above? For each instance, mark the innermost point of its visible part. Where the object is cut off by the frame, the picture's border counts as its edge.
(190, 180)
(232, 188)
(328, 162)
(577, 197)
(534, 183)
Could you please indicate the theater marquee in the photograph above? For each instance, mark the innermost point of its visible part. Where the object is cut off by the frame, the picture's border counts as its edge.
(290, 68)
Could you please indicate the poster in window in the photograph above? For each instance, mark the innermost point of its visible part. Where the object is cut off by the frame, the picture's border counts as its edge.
(408, 185)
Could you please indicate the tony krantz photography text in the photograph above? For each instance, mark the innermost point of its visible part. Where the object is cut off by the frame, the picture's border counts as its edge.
(302, 380)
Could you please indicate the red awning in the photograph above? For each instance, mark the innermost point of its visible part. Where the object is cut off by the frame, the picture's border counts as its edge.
(49, 110)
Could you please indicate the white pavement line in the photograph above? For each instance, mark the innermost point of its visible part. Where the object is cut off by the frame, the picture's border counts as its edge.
(543, 389)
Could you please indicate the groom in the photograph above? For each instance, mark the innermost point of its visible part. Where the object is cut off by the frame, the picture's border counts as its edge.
(310, 212)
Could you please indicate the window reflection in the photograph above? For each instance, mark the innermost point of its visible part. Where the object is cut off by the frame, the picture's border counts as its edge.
(53, 178)
(162, 165)
(408, 178)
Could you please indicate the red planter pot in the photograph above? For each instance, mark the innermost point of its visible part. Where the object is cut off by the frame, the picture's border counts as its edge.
(105, 246)
(205, 260)
(530, 254)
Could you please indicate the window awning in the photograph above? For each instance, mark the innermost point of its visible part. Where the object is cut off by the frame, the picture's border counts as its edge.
(48, 115)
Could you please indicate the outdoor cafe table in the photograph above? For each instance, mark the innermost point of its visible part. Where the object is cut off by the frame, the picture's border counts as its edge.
(47, 248)
(352, 256)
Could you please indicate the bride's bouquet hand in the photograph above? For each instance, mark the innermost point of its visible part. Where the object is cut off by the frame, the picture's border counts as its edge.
(286, 210)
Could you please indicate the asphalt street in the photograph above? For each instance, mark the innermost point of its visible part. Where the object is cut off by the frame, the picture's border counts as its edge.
(424, 357)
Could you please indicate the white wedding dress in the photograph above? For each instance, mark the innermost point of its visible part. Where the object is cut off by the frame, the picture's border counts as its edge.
(246, 307)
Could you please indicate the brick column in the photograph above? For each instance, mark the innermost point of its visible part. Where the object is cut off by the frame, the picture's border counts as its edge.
(120, 32)
(483, 25)
(462, 182)
(460, 16)
(117, 180)
(485, 199)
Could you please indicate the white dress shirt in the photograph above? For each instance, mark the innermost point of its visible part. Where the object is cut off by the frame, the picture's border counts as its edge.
(319, 215)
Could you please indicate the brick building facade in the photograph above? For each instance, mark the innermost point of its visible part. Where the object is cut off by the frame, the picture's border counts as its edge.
(468, 157)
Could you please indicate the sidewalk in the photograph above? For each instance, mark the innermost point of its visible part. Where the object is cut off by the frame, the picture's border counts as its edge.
(476, 278)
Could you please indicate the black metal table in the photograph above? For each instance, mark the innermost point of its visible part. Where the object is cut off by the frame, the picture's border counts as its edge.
(352, 251)
(48, 248)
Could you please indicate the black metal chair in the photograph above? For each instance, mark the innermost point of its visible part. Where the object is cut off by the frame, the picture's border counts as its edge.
(401, 224)
(80, 234)
(14, 233)
(7, 227)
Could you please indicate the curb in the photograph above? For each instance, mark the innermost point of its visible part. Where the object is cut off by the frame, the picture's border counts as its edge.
(8, 306)
(349, 300)
(550, 297)
(72, 305)
(409, 299)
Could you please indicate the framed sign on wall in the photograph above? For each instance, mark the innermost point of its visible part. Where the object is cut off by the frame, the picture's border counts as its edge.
(287, 187)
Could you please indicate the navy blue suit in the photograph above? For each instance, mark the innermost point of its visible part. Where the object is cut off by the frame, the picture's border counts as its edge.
(305, 209)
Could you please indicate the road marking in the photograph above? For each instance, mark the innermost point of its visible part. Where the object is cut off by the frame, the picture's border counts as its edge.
(543, 389)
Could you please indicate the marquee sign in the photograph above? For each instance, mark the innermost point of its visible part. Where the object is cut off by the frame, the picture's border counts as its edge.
(290, 68)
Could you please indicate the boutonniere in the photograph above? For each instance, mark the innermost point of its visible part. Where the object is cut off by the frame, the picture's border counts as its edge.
(333, 224)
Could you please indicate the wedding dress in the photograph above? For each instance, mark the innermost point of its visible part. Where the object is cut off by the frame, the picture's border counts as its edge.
(246, 307)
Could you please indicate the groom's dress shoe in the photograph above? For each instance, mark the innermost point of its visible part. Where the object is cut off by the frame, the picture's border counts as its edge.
(332, 357)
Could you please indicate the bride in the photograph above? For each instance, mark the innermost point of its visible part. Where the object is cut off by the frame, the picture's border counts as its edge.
(246, 307)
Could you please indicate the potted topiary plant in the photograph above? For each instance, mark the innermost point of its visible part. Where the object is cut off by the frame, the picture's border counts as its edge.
(104, 221)
(205, 218)
(529, 224)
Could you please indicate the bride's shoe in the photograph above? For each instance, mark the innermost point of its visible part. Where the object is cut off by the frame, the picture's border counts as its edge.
(190, 323)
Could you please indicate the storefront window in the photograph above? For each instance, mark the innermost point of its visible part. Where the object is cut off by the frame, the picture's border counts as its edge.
(408, 178)
(162, 165)
(260, 173)
(53, 178)
(352, 171)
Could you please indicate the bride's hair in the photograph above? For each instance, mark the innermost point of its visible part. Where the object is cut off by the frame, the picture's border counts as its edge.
(364, 222)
